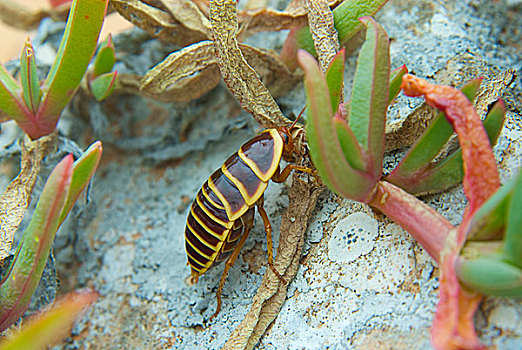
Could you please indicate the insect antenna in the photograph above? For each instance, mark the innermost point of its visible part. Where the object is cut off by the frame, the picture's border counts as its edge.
(296, 119)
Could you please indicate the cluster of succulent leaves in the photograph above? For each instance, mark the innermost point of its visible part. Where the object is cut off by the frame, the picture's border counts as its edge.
(64, 185)
(36, 107)
(347, 147)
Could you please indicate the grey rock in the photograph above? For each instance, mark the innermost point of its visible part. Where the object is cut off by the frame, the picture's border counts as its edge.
(350, 293)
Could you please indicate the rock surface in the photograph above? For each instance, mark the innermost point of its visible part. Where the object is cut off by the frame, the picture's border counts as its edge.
(363, 283)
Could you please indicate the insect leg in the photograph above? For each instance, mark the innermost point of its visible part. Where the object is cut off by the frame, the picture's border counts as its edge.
(268, 229)
(281, 176)
(229, 263)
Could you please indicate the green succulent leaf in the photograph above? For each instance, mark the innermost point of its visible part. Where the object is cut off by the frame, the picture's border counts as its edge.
(416, 165)
(512, 249)
(396, 81)
(489, 222)
(346, 21)
(105, 58)
(334, 79)
(76, 49)
(10, 104)
(347, 140)
(27, 266)
(51, 325)
(29, 77)
(103, 86)
(349, 145)
(490, 275)
(83, 170)
(370, 93)
(63, 187)
(395, 85)
(437, 177)
(433, 139)
(326, 151)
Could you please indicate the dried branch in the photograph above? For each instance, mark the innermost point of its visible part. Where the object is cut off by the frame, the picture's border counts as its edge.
(321, 21)
(272, 293)
(240, 77)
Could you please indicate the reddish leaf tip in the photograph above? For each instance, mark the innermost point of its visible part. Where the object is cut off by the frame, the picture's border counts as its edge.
(68, 158)
(67, 164)
(97, 146)
(303, 54)
(501, 104)
(365, 19)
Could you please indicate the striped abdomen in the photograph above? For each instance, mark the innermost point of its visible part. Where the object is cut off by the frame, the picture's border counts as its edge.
(224, 206)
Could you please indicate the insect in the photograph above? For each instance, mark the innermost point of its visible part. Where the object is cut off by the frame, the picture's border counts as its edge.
(222, 214)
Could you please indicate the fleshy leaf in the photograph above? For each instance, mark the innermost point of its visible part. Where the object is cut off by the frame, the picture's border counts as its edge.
(437, 177)
(489, 222)
(453, 325)
(49, 326)
(83, 170)
(62, 189)
(370, 93)
(75, 51)
(10, 104)
(429, 228)
(396, 81)
(29, 77)
(289, 50)
(346, 20)
(325, 149)
(17, 196)
(512, 249)
(103, 86)
(491, 275)
(27, 266)
(481, 177)
(427, 146)
(334, 79)
(349, 144)
(105, 58)
(395, 78)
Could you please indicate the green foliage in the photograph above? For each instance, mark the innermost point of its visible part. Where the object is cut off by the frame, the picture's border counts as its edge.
(49, 326)
(63, 187)
(30, 85)
(346, 144)
(105, 58)
(418, 173)
(348, 154)
(38, 108)
(103, 86)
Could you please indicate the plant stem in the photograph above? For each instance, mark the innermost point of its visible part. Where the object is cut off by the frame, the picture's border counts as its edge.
(423, 223)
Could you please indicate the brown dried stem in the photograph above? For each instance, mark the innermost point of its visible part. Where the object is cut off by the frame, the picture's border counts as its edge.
(241, 79)
(245, 84)
(321, 21)
(189, 73)
(272, 293)
(161, 23)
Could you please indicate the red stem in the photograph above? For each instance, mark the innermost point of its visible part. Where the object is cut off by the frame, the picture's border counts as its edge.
(423, 223)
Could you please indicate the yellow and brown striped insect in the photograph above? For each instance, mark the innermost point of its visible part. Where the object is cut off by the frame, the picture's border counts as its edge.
(222, 214)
